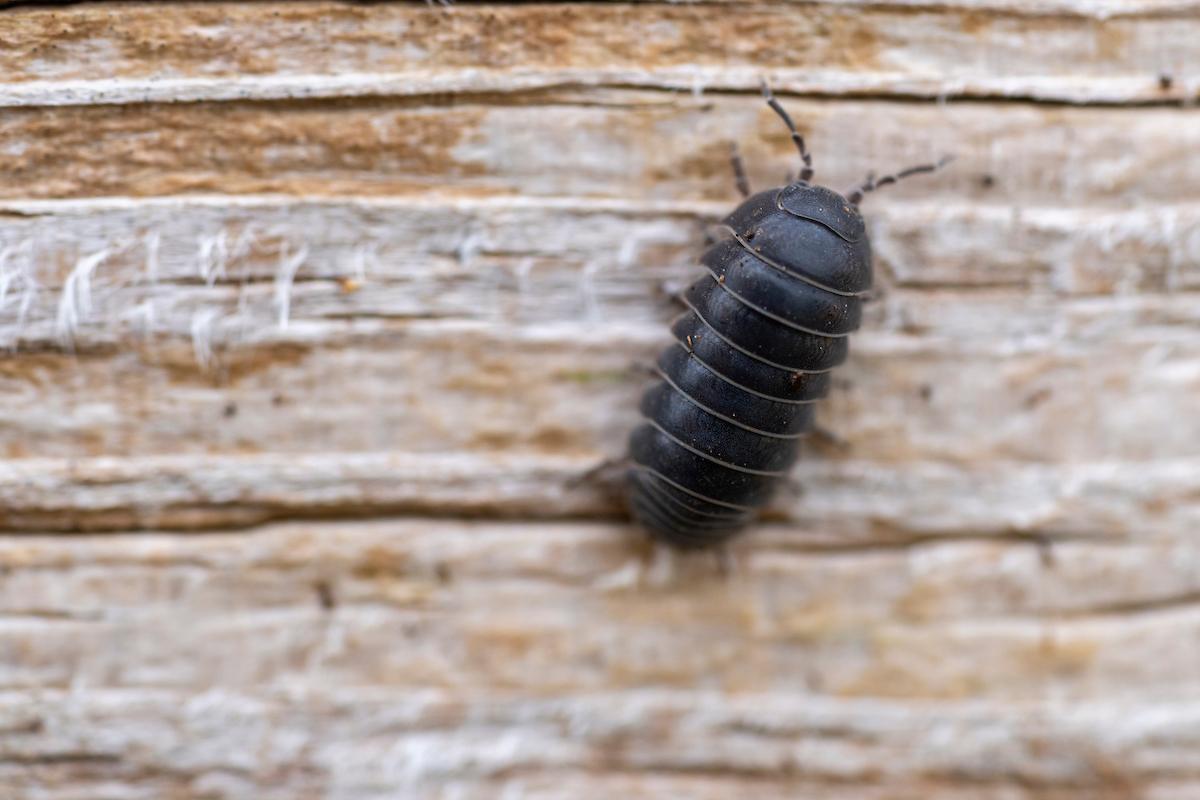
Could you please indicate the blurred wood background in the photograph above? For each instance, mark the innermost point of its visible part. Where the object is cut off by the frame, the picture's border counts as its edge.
(310, 311)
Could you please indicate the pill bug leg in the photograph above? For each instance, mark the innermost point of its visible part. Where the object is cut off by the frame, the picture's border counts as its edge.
(662, 565)
(608, 474)
(672, 292)
(791, 487)
(823, 438)
(642, 370)
(726, 565)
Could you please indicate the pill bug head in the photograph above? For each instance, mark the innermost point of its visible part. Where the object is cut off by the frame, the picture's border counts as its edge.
(823, 206)
(832, 250)
(808, 231)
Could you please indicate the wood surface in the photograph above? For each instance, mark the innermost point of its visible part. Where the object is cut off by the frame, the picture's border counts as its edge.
(310, 314)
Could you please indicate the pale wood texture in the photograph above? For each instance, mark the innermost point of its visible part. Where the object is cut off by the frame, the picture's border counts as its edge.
(310, 314)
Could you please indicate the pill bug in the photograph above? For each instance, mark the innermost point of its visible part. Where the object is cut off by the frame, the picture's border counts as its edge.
(764, 327)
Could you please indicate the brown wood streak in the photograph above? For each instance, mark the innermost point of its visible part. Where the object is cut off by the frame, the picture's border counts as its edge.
(847, 503)
(571, 607)
(487, 388)
(667, 147)
(1110, 51)
(917, 393)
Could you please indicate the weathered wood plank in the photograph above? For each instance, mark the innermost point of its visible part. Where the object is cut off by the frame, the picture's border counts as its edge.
(1098, 9)
(432, 313)
(507, 639)
(432, 245)
(570, 608)
(1023, 389)
(430, 564)
(492, 657)
(844, 502)
(965, 374)
(435, 745)
(616, 143)
(233, 51)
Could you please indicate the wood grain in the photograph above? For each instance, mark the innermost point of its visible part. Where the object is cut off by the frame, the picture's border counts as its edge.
(445, 328)
(849, 502)
(549, 609)
(312, 315)
(609, 143)
(382, 635)
(695, 744)
(1067, 249)
(1112, 51)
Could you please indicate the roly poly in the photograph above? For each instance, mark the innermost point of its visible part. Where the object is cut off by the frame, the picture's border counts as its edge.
(763, 329)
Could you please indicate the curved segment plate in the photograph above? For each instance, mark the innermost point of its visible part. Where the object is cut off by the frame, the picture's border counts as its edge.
(824, 206)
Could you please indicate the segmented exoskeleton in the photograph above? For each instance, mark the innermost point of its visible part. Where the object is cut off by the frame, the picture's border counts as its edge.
(763, 330)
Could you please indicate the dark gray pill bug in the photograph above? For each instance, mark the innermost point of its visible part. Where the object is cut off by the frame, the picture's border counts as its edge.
(765, 326)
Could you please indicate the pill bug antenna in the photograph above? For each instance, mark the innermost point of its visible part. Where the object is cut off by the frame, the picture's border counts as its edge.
(872, 183)
(806, 172)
